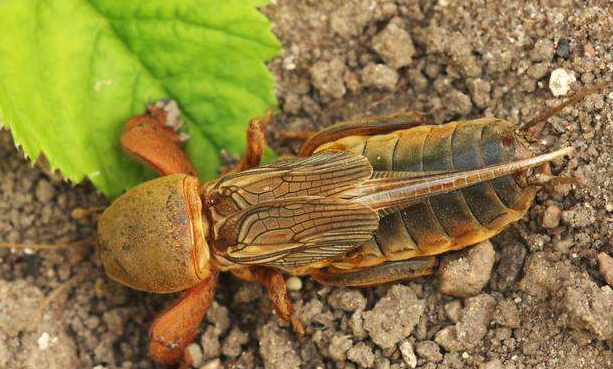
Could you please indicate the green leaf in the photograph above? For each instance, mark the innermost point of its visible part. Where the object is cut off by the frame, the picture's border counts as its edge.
(72, 71)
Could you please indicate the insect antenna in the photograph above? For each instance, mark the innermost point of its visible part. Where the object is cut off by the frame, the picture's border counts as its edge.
(574, 99)
(46, 246)
(80, 213)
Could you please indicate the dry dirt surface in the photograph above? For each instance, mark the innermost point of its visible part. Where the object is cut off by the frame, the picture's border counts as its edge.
(532, 298)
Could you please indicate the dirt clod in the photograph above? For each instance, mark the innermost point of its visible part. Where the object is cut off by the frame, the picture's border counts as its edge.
(379, 76)
(362, 355)
(339, 344)
(507, 314)
(328, 78)
(195, 353)
(429, 350)
(467, 272)
(231, 346)
(590, 306)
(211, 347)
(543, 276)
(347, 299)
(394, 45)
(452, 310)
(493, 364)
(394, 316)
(276, 348)
(472, 327)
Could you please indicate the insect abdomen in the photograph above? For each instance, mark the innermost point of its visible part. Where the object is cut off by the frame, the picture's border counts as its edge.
(451, 220)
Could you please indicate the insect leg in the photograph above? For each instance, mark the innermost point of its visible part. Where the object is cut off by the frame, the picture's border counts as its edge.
(244, 274)
(390, 271)
(152, 138)
(256, 143)
(177, 325)
(378, 124)
(275, 284)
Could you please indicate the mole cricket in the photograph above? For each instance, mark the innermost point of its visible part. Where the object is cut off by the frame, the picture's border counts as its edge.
(367, 201)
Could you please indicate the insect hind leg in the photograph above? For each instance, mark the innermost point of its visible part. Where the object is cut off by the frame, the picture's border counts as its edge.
(387, 272)
(370, 125)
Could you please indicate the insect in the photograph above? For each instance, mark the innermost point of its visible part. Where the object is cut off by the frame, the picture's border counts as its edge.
(368, 201)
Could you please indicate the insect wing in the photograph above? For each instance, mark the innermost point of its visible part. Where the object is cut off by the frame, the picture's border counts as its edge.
(396, 193)
(325, 175)
(288, 233)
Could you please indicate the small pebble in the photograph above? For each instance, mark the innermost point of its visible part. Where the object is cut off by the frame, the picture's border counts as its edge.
(408, 355)
(452, 310)
(589, 50)
(560, 81)
(543, 50)
(479, 91)
(362, 355)
(494, 364)
(213, 364)
(551, 217)
(605, 267)
(195, 353)
(379, 76)
(43, 341)
(44, 191)
(293, 283)
(563, 48)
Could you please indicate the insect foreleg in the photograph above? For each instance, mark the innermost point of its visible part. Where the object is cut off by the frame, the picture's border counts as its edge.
(177, 326)
(152, 138)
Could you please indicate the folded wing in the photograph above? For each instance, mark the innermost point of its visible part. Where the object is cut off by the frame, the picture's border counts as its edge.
(325, 175)
(289, 233)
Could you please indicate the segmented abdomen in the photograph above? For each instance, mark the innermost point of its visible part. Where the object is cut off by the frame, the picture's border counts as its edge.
(451, 220)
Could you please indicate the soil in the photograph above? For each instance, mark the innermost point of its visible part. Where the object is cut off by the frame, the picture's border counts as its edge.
(543, 303)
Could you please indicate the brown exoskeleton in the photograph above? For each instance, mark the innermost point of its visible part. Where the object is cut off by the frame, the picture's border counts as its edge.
(369, 201)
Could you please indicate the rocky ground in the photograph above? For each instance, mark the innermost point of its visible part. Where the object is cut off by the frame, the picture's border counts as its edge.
(532, 298)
